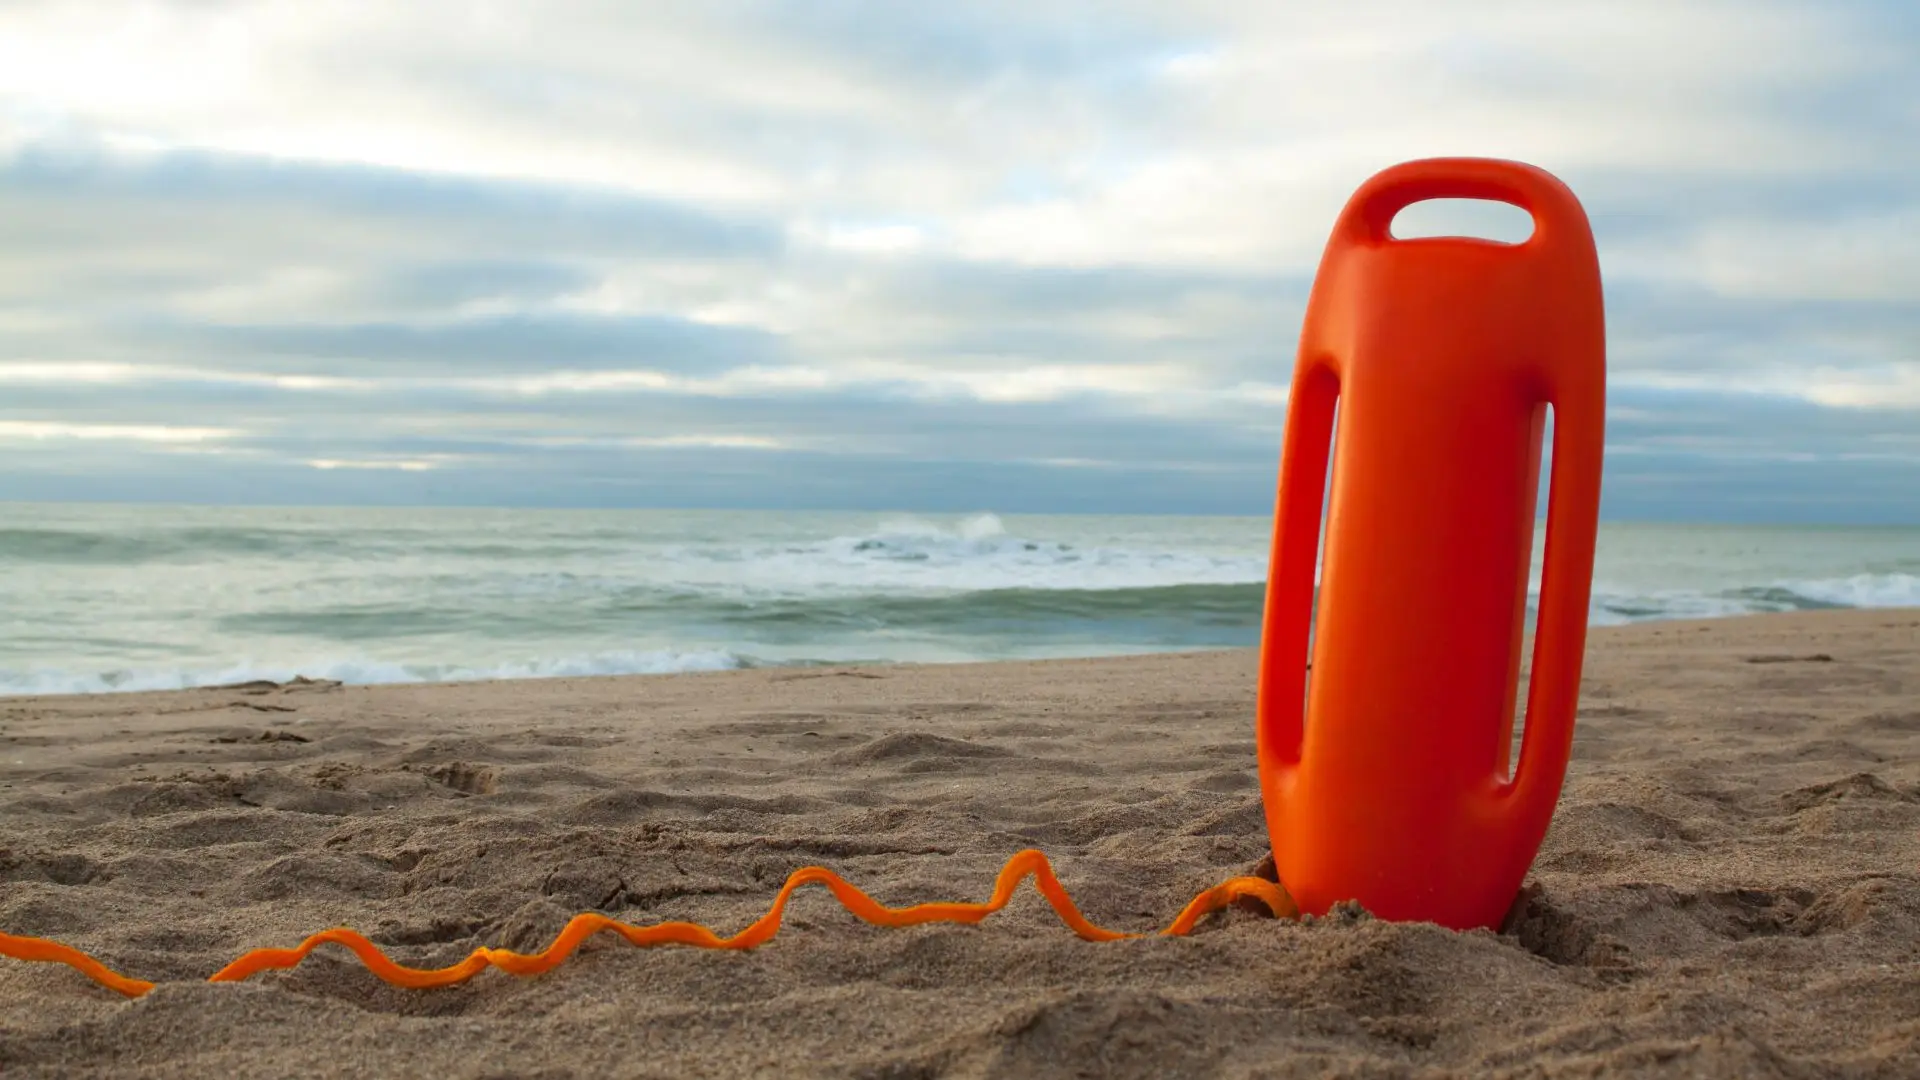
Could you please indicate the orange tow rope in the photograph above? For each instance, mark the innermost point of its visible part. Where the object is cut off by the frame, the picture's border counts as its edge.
(583, 926)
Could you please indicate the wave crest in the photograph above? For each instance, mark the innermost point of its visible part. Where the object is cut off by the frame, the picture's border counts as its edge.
(357, 671)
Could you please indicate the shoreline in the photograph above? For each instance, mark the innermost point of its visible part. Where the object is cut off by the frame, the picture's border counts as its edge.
(1593, 632)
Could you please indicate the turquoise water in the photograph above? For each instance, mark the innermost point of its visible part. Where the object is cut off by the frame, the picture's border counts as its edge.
(123, 597)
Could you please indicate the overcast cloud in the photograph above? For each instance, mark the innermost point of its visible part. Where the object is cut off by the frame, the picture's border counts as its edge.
(1023, 256)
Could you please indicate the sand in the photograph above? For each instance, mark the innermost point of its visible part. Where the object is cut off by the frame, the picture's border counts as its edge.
(1731, 886)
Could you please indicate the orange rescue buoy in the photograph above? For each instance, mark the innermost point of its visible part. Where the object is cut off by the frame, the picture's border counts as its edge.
(1390, 784)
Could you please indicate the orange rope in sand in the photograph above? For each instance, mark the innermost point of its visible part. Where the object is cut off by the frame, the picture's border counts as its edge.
(581, 927)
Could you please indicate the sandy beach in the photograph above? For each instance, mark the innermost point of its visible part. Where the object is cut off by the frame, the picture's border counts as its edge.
(1731, 886)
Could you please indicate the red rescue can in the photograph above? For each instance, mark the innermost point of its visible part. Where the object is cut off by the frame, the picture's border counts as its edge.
(1384, 767)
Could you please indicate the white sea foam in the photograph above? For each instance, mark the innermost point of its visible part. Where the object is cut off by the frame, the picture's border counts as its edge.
(364, 672)
(1862, 590)
(1613, 604)
(906, 554)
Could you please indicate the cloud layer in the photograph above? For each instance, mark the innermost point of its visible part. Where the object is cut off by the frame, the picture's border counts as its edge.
(1044, 256)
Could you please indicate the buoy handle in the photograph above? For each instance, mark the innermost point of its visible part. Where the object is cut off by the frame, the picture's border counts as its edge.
(1369, 213)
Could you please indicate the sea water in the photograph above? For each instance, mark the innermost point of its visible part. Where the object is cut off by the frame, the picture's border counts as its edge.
(97, 598)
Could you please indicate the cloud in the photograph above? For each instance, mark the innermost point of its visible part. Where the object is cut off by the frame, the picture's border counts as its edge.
(1050, 253)
(42, 431)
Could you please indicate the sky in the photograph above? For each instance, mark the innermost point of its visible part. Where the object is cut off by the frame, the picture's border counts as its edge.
(1014, 257)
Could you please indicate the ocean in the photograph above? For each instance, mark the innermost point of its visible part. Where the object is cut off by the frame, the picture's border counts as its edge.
(115, 598)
